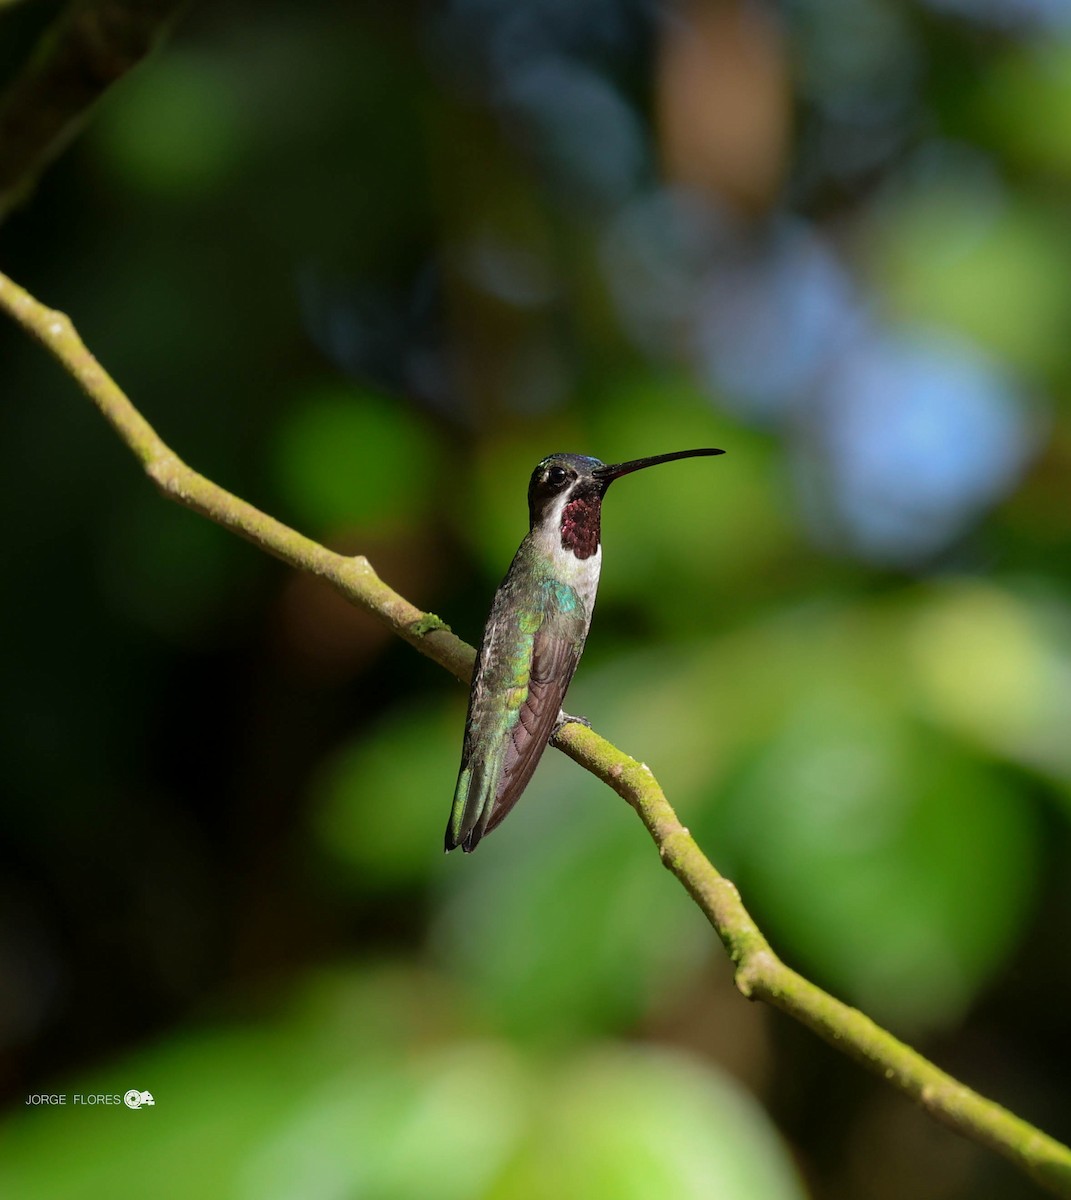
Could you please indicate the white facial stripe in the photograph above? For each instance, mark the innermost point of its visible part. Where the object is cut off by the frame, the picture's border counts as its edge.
(581, 574)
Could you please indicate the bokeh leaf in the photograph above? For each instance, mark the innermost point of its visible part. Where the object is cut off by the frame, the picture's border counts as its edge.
(565, 928)
(976, 260)
(347, 1091)
(348, 458)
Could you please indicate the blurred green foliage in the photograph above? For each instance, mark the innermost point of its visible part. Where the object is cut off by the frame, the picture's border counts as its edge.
(955, 251)
(319, 444)
(365, 268)
(350, 1092)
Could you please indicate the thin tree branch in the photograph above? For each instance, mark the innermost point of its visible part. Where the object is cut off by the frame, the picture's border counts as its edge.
(760, 974)
(90, 45)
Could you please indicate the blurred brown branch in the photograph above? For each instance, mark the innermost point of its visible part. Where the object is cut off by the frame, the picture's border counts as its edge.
(760, 974)
(88, 47)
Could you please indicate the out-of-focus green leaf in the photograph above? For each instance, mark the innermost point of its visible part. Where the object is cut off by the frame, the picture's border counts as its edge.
(994, 664)
(354, 1090)
(629, 1125)
(345, 458)
(227, 1098)
(438, 1124)
(980, 263)
(558, 923)
(881, 855)
(176, 131)
(381, 804)
(1025, 103)
(892, 864)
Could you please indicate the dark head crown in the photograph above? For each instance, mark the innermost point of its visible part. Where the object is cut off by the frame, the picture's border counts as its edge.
(557, 473)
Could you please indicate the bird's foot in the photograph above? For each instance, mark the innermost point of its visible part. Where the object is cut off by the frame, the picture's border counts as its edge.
(565, 718)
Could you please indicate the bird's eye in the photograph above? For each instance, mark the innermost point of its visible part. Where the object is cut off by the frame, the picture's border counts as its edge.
(556, 476)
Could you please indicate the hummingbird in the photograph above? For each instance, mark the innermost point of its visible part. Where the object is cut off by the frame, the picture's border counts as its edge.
(533, 639)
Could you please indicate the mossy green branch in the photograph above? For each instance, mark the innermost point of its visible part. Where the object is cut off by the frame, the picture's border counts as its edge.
(760, 974)
(352, 576)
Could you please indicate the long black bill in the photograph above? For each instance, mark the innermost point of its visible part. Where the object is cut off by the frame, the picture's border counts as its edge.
(608, 472)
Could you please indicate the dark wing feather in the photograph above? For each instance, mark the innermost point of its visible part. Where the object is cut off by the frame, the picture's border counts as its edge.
(520, 680)
(484, 747)
(554, 658)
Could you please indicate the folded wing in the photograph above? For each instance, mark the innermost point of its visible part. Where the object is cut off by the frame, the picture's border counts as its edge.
(515, 701)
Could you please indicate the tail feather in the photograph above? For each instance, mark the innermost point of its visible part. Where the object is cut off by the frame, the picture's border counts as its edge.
(474, 800)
